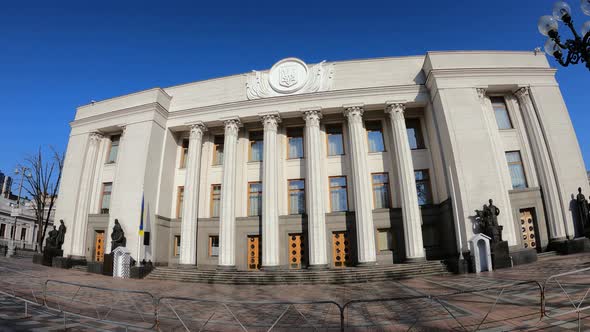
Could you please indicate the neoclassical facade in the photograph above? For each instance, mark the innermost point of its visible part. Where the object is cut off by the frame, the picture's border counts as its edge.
(361, 162)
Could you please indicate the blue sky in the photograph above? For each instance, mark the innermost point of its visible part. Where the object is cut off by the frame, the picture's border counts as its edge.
(57, 55)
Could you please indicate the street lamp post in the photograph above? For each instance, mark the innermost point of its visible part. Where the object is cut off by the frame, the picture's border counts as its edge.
(12, 243)
(577, 49)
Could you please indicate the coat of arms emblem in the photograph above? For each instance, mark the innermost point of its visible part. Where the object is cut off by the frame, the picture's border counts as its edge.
(288, 76)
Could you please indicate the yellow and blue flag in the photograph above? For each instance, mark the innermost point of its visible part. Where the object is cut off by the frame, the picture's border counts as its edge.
(141, 219)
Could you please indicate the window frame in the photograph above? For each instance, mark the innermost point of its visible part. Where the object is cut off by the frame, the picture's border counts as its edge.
(176, 247)
(249, 196)
(420, 142)
(211, 245)
(302, 129)
(102, 194)
(366, 122)
(386, 185)
(23, 233)
(215, 159)
(289, 190)
(253, 141)
(211, 210)
(109, 161)
(2, 230)
(521, 163)
(503, 100)
(341, 125)
(429, 186)
(179, 202)
(183, 153)
(345, 190)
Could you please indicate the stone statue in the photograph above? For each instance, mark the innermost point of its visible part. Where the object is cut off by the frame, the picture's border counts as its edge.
(61, 233)
(582, 204)
(487, 220)
(51, 241)
(117, 236)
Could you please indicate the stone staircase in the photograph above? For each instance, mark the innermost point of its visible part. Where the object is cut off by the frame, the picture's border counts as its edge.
(329, 276)
(81, 268)
(546, 254)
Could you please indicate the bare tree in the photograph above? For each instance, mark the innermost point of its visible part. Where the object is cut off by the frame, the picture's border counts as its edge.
(42, 186)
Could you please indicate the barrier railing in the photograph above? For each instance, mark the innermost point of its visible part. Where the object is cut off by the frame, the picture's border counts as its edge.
(561, 299)
(567, 296)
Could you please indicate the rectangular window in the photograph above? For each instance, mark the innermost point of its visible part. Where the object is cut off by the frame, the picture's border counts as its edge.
(338, 197)
(176, 245)
(213, 246)
(105, 201)
(254, 198)
(381, 190)
(296, 196)
(256, 145)
(415, 137)
(423, 187)
(114, 150)
(295, 138)
(501, 113)
(384, 239)
(215, 200)
(218, 150)
(183, 153)
(23, 234)
(335, 139)
(516, 170)
(2, 230)
(179, 200)
(375, 136)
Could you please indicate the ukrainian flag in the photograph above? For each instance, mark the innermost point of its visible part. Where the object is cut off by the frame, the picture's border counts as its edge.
(141, 218)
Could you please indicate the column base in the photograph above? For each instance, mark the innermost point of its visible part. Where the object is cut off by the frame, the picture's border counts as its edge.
(186, 266)
(413, 260)
(566, 247)
(318, 267)
(366, 264)
(76, 260)
(229, 268)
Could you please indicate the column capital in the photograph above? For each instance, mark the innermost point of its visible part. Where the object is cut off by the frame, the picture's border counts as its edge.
(312, 117)
(353, 111)
(232, 125)
(522, 93)
(481, 93)
(197, 129)
(395, 110)
(270, 120)
(96, 136)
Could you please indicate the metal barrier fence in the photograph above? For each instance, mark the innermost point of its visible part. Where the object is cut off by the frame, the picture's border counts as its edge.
(566, 296)
(519, 305)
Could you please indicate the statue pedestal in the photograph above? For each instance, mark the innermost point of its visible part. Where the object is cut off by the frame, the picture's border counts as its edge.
(107, 265)
(500, 255)
(48, 255)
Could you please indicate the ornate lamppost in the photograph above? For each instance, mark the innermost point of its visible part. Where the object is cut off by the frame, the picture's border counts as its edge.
(574, 50)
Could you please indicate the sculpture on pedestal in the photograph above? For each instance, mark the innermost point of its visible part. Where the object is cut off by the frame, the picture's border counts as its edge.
(117, 236)
(61, 233)
(487, 220)
(51, 241)
(583, 209)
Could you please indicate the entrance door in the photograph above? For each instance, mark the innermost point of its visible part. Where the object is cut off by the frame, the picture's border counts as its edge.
(296, 250)
(253, 252)
(340, 249)
(527, 223)
(99, 246)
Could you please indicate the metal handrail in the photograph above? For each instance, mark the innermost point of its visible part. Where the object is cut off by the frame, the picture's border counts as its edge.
(576, 308)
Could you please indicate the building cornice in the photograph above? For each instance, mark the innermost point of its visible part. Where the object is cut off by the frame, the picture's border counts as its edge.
(150, 107)
(479, 72)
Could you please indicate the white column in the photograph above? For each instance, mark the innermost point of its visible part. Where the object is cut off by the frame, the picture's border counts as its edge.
(412, 217)
(549, 188)
(190, 205)
(361, 184)
(227, 213)
(314, 193)
(80, 223)
(270, 192)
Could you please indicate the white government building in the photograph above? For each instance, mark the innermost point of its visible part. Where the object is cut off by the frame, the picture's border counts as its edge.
(360, 162)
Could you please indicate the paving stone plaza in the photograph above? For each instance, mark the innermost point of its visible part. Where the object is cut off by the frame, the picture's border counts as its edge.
(503, 300)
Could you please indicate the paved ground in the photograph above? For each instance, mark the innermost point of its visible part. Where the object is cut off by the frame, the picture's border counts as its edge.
(495, 301)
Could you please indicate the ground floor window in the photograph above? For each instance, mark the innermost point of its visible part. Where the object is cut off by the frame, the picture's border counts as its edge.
(254, 198)
(2, 230)
(213, 246)
(23, 234)
(296, 196)
(423, 187)
(338, 198)
(176, 245)
(380, 190)
(215, 200)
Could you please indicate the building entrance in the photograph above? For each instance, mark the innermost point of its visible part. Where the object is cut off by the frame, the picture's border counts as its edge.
(254, 252)
(340, 249)
(99, 246)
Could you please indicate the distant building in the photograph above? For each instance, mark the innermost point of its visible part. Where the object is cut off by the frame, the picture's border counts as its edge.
(26, 224)
(5, 185)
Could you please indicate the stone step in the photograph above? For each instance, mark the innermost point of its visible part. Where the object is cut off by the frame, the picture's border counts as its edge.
(547, 254)
(82, 268)
(330, 276)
